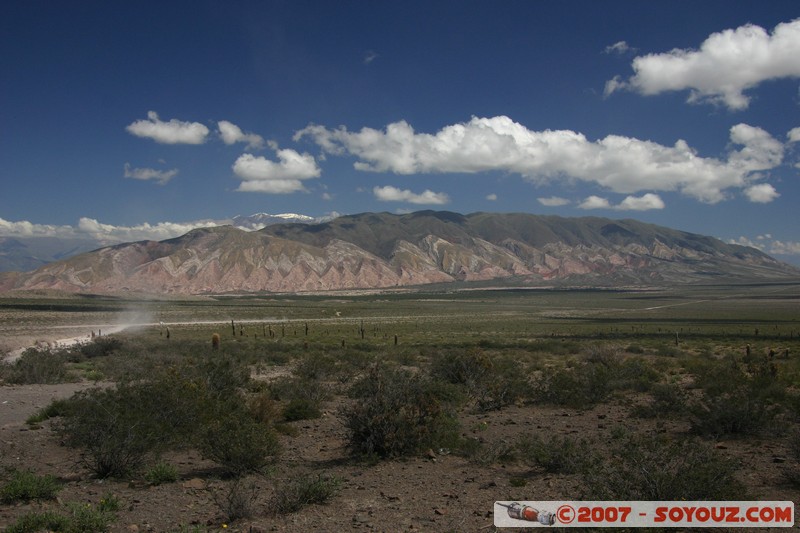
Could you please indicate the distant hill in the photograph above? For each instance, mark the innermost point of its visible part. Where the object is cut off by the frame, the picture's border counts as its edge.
(381, 250)
(28, 253)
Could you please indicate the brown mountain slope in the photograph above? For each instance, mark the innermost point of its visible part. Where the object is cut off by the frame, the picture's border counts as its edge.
(380, 250)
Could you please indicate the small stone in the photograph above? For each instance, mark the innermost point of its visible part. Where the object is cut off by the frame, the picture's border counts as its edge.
(440, 512)
(133, 528)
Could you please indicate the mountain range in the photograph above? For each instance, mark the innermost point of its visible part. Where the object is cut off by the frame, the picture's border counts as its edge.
(382, 250)
(23, 253)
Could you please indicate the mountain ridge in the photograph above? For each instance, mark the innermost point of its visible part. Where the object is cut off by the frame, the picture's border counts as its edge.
(384, 250)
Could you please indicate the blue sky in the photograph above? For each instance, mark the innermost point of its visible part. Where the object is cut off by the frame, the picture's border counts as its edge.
(128, 120)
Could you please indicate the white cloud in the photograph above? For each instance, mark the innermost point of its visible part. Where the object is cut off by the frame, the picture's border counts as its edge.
(784, 248)
(595, 202)
(146, 174)
(727, 64)
(23, 228)
(103, 233)
(765, 243)
(108, 233)
(553, 201)
(393, 194)
(259, 174)
(491, 197)
(619, 47)
(231, 133)
(370, 56)
(621, 164)
(762, 193)
(793, 135)
(172, 132)
(643, 203)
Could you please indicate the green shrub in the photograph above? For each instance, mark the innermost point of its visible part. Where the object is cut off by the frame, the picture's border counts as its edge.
(315, 367)
(161, 473)
(739, 412)
(99, 347)
(119, 429)
(109, 503)
(492, 383)
(222, 375)
(397, 413)
(238, 443)
(656, 468)
(556, 455)
(80, 519)
(668, 400)
(237, 499)
(295, 388)
(301, 409)
(590, 382)
(263, 408)
(56, 408)
(89, 519)
(582, 386)
(302, 491)
(40, 521)
(24, 485)
(39, 367)
(484, 454)
(462, 368)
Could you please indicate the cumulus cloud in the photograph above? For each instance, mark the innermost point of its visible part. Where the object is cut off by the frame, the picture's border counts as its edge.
(767, 244)
(553, 201)
(172, 132)
(645, 202)
(726, 65)
(784, 248)
(230, 133)
(763, 193)
(491, 197)
(595, 202)
(23, 228)
(285, 176)
(621, 164)
(793, 135)
(104, 233)
(108, 233)
(393, 194)
(146, 174)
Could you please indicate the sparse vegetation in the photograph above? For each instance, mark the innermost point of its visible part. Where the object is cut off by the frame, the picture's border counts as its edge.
(38, 367)
(25, 486)
(540, 389)
(397, 413)
(302, 491)
(160, 473)
(659, 468)
(556, 455)
(76, 518)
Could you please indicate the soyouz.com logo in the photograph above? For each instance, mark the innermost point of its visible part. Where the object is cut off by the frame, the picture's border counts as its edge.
(643, 514)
